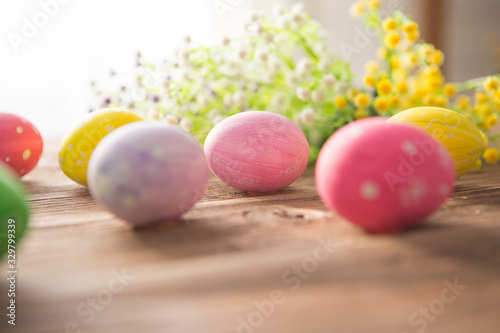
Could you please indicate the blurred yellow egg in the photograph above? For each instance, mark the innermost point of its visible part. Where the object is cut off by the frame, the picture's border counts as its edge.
(458, 134)
(79, 143)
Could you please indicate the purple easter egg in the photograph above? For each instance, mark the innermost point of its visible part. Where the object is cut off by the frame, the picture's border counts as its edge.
(383, 176)
(257, 151)
(147, 172)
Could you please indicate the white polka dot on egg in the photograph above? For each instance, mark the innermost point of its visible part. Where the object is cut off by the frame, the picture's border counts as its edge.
(26, 154)
(369, 190)
(443, 190)
(409, 148)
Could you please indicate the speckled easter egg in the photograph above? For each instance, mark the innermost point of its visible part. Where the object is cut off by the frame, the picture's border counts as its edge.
(79, 142)
(457, 133)
(21, 144)
(13, 211)
(383, 176)
(148, 172)
(257, 151)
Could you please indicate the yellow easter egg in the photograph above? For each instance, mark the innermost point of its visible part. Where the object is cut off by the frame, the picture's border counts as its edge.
(458, 134)
(79, 143)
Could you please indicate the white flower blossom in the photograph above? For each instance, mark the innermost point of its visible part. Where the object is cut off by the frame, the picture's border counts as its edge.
(268, 38)
(220, 60)
(304, 66)
(153, 115)
(226, 41)
(240, 54)
(297, 19)
(228, 100)
(274, 64)
(253, 16)
(202, 101)
(260, 56)
(183, 57)
(341, 88)
(239, 97)
(323, 65)
(329, 81)
(194, 108)
(224, 83)
(277, 100)
(170, 119)
(278, 10)
(318, 96)
(187, 39)
(303, 93)
(256, 29)
(267, 77)
(291, 79)
(283, 21)
(307, 116)
(320, 48)
(184, 75)
(217, 119)
(237, 73)
(297, 8)
(166, 87)
(186, 124)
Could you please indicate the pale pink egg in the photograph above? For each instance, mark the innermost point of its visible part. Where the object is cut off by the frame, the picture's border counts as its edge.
(257, 151)
(383, 176)
(147, 173)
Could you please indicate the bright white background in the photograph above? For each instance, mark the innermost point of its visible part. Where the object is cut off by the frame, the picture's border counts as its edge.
(47, 81)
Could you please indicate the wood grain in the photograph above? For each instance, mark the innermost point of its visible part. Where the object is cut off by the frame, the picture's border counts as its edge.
(207, 271)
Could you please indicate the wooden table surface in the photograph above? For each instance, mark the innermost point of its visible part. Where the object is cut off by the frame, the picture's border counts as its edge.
(255, 263)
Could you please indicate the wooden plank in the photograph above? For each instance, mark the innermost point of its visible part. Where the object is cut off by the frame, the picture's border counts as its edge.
(209, 270)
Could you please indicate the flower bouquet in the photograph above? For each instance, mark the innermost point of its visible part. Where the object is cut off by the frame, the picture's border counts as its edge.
(284, 65)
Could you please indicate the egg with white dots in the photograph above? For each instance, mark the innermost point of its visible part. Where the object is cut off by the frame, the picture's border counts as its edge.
(383, 176)
(79, 142)
(257, 151)
(21, 144)
(148, 173)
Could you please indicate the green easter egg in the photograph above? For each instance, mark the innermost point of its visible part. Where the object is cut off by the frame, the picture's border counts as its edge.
(13, 212)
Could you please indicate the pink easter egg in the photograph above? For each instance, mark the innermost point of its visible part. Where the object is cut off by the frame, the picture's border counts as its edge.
(257, 151)
(383, 176)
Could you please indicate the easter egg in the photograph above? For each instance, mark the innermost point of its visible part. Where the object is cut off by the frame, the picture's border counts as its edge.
(257, 151)
(383, 176)
(21, 144)
(79, 143)
(13, 211)
(457, 133)
(148, 172)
